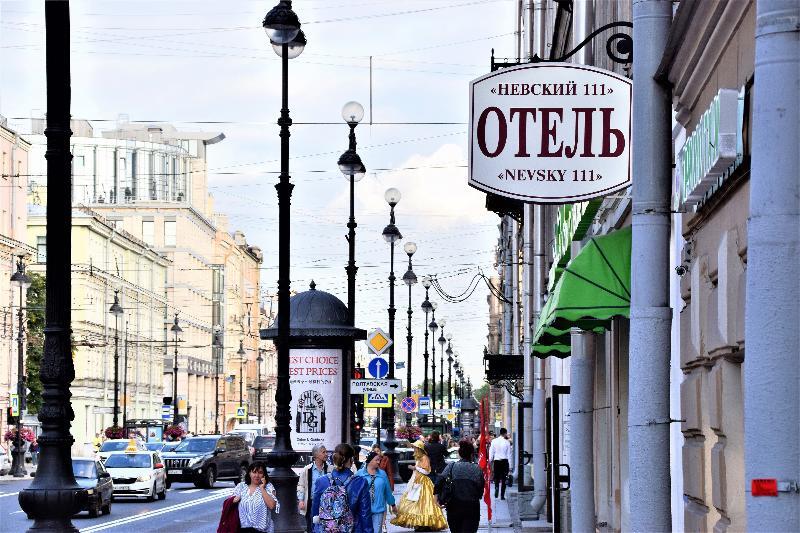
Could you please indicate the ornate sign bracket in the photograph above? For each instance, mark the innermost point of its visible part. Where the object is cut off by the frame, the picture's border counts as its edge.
(619, 47)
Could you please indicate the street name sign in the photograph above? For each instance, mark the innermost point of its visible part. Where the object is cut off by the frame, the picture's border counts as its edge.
(441, 412)
(424, 405)
(378, 368)
(550, 133)
(375, 386)
(378, 341)
(378, 400)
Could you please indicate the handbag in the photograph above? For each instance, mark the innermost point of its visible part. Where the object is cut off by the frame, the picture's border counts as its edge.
(444, 488)
(414, 492)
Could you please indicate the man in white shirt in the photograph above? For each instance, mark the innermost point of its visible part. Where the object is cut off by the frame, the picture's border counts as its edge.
(499, 456)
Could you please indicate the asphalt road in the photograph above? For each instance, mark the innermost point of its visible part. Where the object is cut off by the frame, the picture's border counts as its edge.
(186, 509)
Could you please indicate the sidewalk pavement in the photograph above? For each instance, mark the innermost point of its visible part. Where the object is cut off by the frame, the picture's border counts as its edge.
(501, 516)
(28, 468)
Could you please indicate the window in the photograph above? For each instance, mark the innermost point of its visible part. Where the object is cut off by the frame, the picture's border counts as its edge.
(41, 249)
(148, 232)
(170, 227)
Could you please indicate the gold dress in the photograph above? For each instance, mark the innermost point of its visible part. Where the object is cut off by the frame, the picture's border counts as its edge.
(425, 512)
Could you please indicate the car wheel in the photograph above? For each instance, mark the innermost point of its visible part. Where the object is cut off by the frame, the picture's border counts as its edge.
(152, 496)
(94, 508)
(163, 494)
(106, 509)
(210, 478)
(168, 483)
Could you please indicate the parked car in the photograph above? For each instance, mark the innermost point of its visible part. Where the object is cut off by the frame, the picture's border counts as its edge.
(137, 474)
(155, 446)
(263, 445)
(169, 446)
(249, 437)
(259, 429)
(117, 446)
(93, 478)
(204, 459)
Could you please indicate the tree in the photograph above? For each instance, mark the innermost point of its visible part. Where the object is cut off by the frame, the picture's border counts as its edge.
(35, 337)
(481, 392)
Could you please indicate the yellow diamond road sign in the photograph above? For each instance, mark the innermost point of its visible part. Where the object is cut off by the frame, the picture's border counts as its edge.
(378, 341)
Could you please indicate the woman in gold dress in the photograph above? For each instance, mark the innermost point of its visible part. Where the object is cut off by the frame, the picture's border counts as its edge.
(418, 507)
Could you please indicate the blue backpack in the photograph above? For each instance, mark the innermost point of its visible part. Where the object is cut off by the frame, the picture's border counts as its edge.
(334, 508)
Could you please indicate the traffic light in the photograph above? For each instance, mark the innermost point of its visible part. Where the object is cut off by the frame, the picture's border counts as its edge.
(11, 418)
(358, 372)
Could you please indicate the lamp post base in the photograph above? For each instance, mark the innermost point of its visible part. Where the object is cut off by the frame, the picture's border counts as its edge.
(392, 455)
(18, 463)
(285, 480)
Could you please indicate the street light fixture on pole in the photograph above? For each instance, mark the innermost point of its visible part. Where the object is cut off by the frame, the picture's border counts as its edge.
(442, 342)
(433, 327)
(391, 235)
(175, 329)
(410, 279)
(449, 353)
(259, 360)
(283, 29)
(351, 166)
(242, 355)
(117, 311)
(21, 280)
(426, 308)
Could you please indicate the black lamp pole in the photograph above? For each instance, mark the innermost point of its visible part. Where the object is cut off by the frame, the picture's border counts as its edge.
(391, 235)
(442, 342)
(426, 308)
(125, 380)
(449, 376)
(23, 281)
(116, 310)
(259, 360)
(434, 327)
(283, 29)
(241, 353)
(351, 166)
(54, 497)
(176, 329)
(409, 278)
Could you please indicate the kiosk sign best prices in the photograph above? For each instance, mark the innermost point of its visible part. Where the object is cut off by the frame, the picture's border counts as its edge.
(550, 133)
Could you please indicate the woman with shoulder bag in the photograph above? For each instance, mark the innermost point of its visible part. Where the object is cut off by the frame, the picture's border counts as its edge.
(380, 492)
(257, 500)
(461, 486)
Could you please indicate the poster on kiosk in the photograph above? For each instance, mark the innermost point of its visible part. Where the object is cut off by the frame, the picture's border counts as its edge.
(315, 378)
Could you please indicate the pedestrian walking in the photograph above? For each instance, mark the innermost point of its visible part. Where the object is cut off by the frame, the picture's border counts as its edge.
(499, 456)
(418, 507)
(436, 451)
(317, 468)
(380, 490)
(34, 449)
(341, 499)
(257, 501)
(466, 490)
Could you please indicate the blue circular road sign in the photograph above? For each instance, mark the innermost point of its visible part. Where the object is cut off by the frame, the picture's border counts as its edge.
(378, 368)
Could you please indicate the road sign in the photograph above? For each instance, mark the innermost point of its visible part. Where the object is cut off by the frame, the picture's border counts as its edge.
(440, 412)
(103, 410)
(408, 404)
(15, 405)
(241, 412)
(378, 368)
(424, 405)
(375, 386)
(166, 412)
(377, 400)
(451, 416)
(457, 404)
(378, 341)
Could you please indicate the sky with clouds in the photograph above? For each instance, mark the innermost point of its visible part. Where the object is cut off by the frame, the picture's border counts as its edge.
(207, 65)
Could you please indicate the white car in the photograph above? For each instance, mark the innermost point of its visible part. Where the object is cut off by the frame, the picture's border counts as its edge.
(117, 446)
(138, 474)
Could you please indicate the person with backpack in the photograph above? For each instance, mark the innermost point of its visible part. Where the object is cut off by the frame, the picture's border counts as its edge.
(436, 452)
(380, 490)
(460, 489)
(341, 501)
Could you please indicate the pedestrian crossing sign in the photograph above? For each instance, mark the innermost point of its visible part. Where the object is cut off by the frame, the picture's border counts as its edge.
(241, 412)
(378, 400)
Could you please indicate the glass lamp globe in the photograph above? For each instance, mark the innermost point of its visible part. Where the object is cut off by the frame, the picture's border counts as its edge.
(392, 196)
(449, 336)
(281, 23)
(434, 305)
(352, 112)
(350, 163)
(442, 322)
(410, 248)
(360, 173)
(294, 48)
(426, 282)
(391, 234)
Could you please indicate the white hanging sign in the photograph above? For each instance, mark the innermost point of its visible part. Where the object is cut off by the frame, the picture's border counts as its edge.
(550, 133)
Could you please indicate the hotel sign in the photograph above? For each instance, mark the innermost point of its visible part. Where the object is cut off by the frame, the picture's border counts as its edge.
(550, 133)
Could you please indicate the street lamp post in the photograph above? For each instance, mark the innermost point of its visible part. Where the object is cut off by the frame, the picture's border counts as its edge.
(125, 379)
(117, 311)
(391, 235)
(283, 29)
(449, 376)
(217, 347)
(442, 342)
(259, 360)
(426, 308)
(351, 166)
(241, 353)
(176, 329)
(409, 278)
(433, 327)
(21, 280)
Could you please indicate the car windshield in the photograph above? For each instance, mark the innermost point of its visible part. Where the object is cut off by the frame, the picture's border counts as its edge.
(197, 445)
(128, 460)
(114, 446)
(169, 446)
(264, 442)
(84, 469)
(154, 446)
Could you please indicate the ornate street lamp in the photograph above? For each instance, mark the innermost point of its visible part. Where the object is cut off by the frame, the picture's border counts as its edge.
(426, 308)
(442, 342)
(433, 327)
(351, 166)
(175, 329)
(288, 41)
(242, 358)
(449, 353)
(54, 497)
(117, 311)
(391, 235)
(259, 360)
(410, 279)
(21, 280)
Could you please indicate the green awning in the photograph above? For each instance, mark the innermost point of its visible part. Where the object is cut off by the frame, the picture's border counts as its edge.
(594, 287)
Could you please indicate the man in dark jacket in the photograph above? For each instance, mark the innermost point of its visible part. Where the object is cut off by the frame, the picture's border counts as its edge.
(436, 453)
